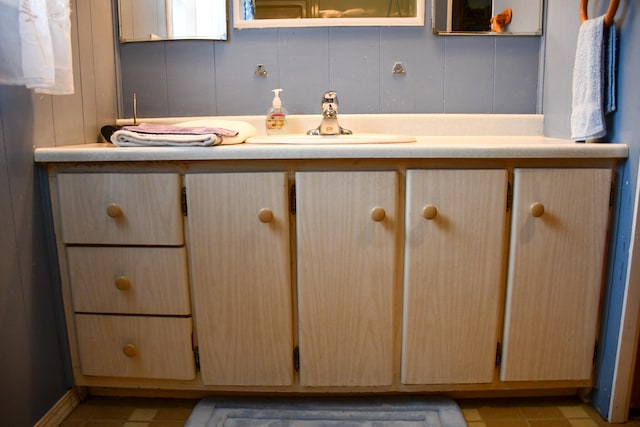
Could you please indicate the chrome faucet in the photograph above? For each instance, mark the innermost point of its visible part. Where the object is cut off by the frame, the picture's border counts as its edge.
(329, 124)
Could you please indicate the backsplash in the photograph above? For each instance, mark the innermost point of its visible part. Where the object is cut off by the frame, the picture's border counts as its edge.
(452, 74)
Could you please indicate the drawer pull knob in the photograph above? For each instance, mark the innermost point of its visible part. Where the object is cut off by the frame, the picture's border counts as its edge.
(114, 210)
(130, 350)
(265, 215)
(378, 214)
(536, 209)
(123, 283)
(429, 212)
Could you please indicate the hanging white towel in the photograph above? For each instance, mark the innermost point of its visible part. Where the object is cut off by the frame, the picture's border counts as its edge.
(593, 96)
(36, 51)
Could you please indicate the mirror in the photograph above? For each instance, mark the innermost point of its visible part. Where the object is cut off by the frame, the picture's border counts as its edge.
(474, 17)
(148, 20)
(327, 13)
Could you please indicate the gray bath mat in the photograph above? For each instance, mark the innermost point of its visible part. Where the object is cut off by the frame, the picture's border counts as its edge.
(327, 412)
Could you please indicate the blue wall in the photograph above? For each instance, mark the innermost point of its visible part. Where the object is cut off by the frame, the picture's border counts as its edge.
(624, 127)
(34, 367)
(453, 74)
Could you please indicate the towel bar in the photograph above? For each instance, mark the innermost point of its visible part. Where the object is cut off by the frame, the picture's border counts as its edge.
(608, 17)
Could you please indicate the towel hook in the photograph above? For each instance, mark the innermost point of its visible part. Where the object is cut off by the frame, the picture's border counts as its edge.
(608, 17)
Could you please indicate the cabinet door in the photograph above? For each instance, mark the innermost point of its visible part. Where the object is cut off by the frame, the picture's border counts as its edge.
(454, 271)
(239, 251)
(557, 253)
(346, 249)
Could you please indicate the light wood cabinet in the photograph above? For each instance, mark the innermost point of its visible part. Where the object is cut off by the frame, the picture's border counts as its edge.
(239, 246)
(556, 261)
(347, 224)
(122, 237)
(129, 280)
(383, 276)
(135, 346)
(453, 278)
(120, 208)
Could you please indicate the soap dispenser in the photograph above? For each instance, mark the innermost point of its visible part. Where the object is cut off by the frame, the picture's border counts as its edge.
(276, 121)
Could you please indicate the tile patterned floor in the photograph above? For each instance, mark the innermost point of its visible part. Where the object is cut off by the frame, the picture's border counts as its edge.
(518, 412)
(130, 412)
(533, 412)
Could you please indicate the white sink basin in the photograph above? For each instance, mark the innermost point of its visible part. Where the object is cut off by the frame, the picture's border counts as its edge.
(302, 139)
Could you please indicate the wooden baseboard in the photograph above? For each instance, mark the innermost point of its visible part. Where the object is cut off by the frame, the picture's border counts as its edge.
(62, 409)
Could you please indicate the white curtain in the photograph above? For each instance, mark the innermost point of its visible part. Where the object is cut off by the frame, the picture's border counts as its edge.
(35, 45)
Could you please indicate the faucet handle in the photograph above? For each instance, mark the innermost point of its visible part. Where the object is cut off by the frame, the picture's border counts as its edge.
(330, 98)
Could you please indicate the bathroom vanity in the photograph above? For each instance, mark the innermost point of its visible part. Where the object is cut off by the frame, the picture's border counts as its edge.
(453, 264)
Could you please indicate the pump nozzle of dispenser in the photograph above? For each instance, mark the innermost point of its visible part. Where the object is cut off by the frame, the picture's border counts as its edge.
(277, 102)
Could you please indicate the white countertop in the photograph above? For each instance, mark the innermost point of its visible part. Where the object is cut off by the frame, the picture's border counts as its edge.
(428, 147)
(453, 136)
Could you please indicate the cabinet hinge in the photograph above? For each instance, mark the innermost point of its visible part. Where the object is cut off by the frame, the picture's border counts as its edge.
(296, 359)
(196, 356)
(183, 201)
(509, 196)
(612, 193)
(292, 199)
(498, 354)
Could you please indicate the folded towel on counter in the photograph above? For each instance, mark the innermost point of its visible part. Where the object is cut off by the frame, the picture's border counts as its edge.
(589, 87)
(180, 129)
(245, 130)
(128, 138)
(187, 134)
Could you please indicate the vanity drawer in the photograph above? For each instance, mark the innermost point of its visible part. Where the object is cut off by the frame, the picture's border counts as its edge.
(135, 346)
(120, 208)
(131, 280)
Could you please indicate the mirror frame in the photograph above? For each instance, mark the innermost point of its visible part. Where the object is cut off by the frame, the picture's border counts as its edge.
(117, 10)
(413, 21)
(439, 32)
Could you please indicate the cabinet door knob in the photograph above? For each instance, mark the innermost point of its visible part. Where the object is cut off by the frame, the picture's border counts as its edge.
(429, 212)
(265, 215)
(123, 283)
(536, 209)
(130, 350)
(378, 214)
(114, 210)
